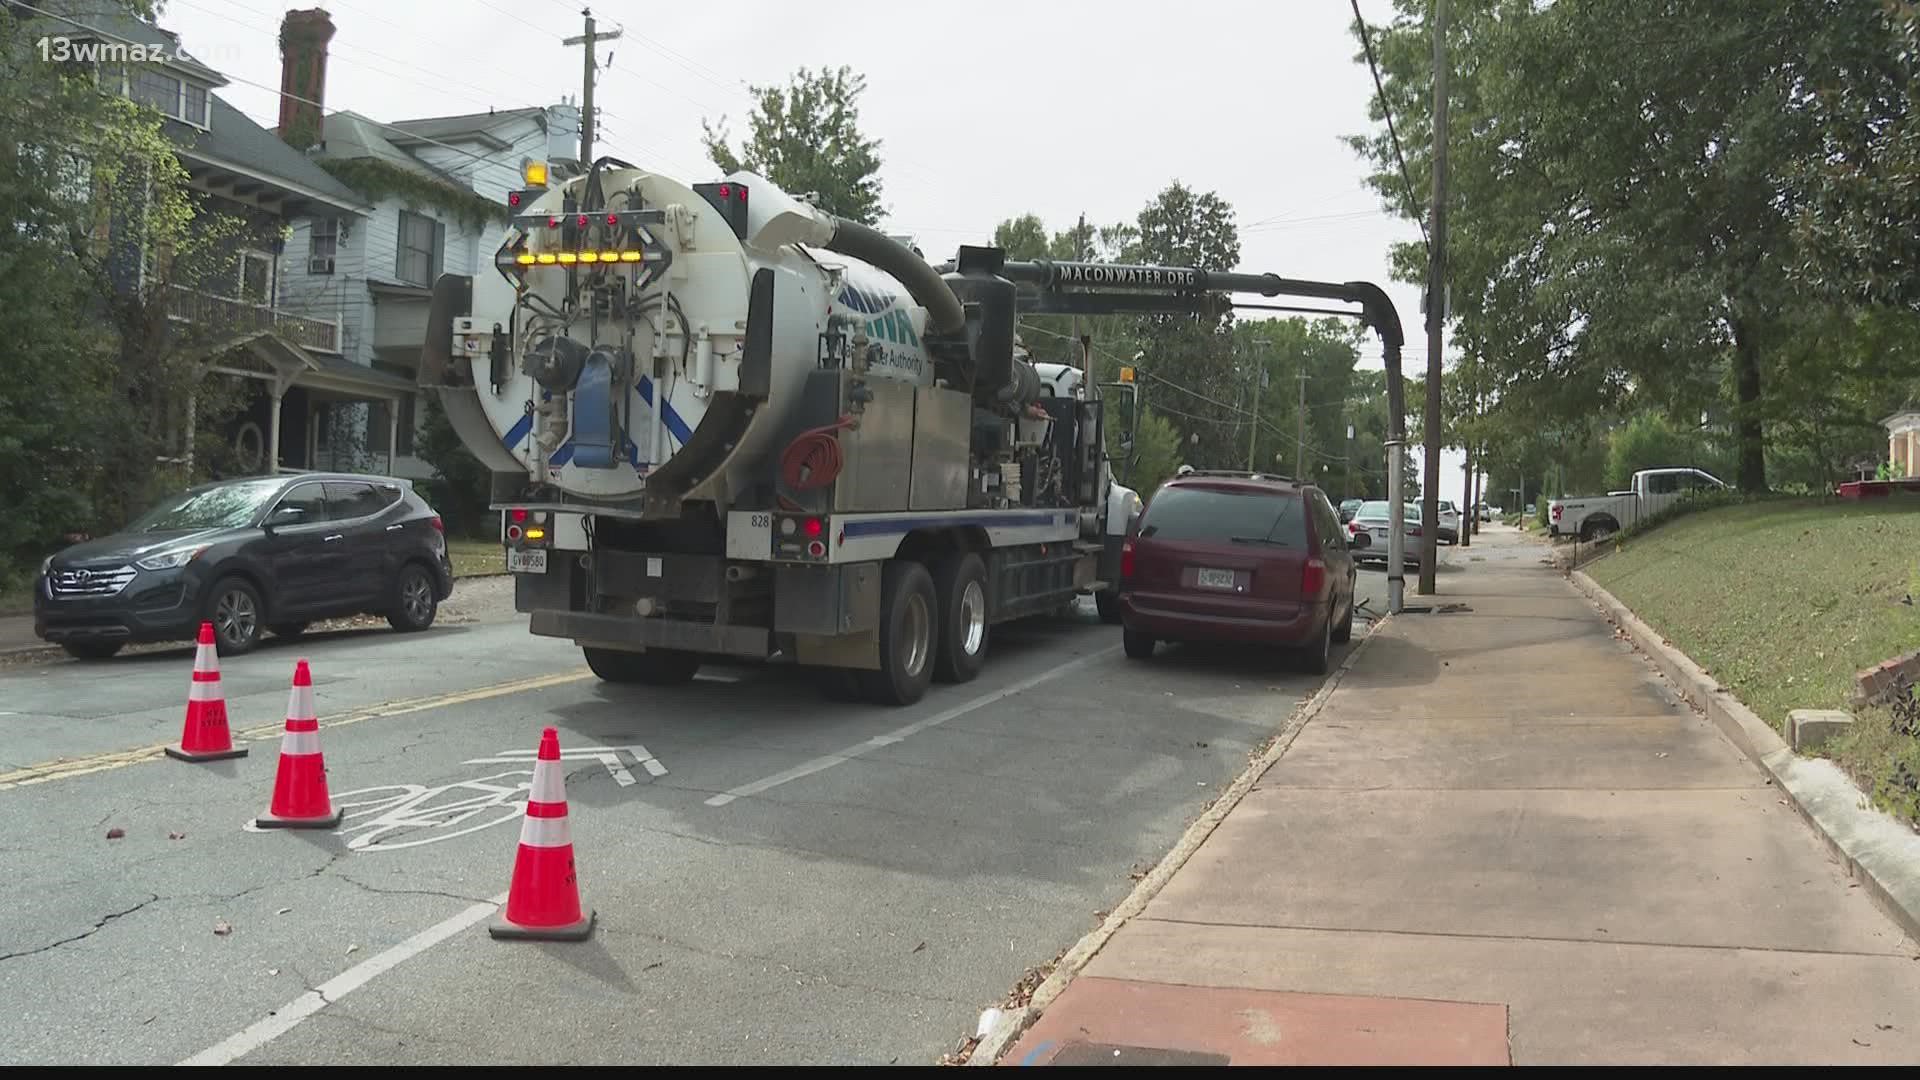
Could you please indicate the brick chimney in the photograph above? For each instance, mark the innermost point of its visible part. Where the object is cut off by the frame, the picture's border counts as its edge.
(303, 74)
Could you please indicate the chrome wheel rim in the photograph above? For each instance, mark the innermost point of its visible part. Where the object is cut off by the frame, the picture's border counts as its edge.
(236, 617)
(973, 618)
(915, 636)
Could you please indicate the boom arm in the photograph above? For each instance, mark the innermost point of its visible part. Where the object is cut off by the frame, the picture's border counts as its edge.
(1049, 287)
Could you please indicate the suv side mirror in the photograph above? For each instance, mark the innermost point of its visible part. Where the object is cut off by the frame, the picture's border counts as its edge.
(283, 516)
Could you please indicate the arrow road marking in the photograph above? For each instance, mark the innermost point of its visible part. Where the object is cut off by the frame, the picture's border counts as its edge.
(605, 755)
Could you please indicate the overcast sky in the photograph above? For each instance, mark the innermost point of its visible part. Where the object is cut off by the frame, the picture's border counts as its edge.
(985, 109)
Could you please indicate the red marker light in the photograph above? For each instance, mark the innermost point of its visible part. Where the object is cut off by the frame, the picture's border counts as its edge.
(513, 198)
(613, 220)
(582, 222)
(553, 223)
(816, 549)
(519, 514)
(726, 192)
(814, 527)
(743, 194)
(513, 532)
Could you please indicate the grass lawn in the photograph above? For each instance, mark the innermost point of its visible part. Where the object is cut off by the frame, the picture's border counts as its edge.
(476, 558)
(1782, 602)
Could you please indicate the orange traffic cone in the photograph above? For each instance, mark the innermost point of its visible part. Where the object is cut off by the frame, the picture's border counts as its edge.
(204, 736)
(300, 799)
(544, 901)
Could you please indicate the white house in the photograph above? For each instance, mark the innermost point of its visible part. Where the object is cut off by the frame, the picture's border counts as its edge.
(438, 188)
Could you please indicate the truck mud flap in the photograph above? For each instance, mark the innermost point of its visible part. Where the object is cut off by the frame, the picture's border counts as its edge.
(626, 632)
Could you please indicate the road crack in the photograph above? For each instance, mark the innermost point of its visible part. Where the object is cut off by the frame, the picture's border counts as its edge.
(409, 892)
(152, 898)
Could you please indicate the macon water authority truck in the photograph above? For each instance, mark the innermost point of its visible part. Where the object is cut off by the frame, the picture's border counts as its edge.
(723, 423)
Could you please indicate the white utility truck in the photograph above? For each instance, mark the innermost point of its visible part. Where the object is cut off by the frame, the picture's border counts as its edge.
(724, 423)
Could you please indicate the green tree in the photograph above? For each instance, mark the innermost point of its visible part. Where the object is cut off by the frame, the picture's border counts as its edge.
(104, 240)
(1156, 453)
(1857, 194)
(806, 138)
(1622, 171)
(1192, 357)
(466, 485)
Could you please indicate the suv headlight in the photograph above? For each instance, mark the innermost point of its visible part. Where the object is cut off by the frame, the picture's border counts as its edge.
(168, 560)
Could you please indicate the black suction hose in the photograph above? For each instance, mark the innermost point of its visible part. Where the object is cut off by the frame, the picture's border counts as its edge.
(923, 282)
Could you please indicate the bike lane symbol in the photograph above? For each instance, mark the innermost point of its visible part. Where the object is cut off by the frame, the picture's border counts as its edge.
(394, 817)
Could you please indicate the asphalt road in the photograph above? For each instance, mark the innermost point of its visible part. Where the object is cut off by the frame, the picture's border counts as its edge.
(778, 879)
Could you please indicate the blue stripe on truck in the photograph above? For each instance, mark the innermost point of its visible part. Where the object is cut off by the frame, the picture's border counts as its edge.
(984, 519)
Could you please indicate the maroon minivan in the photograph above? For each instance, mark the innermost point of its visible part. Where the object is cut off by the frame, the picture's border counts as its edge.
(1238, 557)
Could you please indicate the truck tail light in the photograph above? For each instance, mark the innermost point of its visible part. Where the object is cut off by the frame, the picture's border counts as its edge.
(1313, 577)
(1556, 512)
(1126, 558)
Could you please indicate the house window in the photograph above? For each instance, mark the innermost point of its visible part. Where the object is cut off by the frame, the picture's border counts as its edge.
(256, 277)
(325, 237)
(421, 242)
(156, 89)
(196, 112)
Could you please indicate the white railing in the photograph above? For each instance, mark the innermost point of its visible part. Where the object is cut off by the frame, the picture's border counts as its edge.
(239, 316)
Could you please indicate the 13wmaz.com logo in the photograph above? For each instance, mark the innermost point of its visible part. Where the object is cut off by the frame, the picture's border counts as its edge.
(64, 50)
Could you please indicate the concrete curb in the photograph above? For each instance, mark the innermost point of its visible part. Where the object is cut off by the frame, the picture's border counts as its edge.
(1014, 1022)
(1878, 851)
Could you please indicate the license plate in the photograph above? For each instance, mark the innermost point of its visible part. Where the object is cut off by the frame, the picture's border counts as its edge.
(1214, 579)
(526, 562)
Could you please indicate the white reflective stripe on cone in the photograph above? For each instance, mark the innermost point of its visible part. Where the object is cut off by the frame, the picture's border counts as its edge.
(205, 659)
(300, 703)
(204, 691)
(545, 832)
(300, 743)
(549, 785)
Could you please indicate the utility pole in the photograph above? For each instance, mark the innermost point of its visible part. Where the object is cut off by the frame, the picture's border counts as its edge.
(589, 39)
(1300, 433)
(1436, 307)
(1253, 432)
(1468, 515)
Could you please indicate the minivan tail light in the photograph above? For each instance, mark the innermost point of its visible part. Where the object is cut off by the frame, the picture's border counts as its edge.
(1312, 578)
(438, 525)
(1126, 558)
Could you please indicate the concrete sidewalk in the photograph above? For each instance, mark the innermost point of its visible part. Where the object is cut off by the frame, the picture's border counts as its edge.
(1502, 839)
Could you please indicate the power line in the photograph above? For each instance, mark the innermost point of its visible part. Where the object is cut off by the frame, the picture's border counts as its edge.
(1413, 201)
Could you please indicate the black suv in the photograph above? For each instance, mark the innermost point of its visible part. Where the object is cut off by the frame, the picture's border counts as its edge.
(263, 553)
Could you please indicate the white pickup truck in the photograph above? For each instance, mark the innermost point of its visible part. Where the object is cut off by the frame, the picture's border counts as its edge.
(1595, 517)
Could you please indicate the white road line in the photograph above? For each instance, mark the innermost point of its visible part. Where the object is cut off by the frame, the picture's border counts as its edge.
(290, 1015)
(828, 761)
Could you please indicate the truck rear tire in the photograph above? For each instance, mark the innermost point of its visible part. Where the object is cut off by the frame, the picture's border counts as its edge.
(655, 667)
(960, 583)
(909, 614)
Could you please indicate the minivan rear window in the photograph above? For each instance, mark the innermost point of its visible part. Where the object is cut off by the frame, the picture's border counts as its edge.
(1197, 513)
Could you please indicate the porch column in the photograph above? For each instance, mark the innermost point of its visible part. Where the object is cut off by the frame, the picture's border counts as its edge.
(393, 435)
(1906, 460)
(273, 430)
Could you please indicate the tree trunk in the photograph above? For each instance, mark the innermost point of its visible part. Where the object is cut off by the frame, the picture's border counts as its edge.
(1749, 429)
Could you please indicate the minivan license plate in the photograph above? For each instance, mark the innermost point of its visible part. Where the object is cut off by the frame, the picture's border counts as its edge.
(1215, 579)
(526, 562)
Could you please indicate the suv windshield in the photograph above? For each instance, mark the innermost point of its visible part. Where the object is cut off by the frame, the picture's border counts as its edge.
(227, 507)
(1244, 516)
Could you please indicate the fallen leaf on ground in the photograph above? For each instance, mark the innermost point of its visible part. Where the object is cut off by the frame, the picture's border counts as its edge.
(273, 971)
(116, 833)
(920, 946)
(176, 836)
(353, 948)
(222, 927)
(283, 911)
